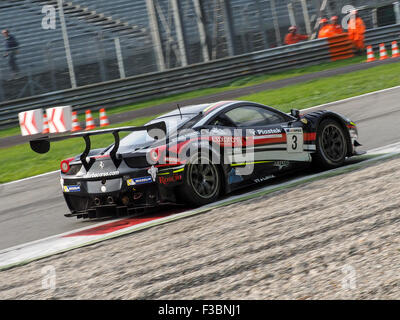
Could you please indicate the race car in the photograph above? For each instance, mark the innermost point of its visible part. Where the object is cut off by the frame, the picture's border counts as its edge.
(195, 154)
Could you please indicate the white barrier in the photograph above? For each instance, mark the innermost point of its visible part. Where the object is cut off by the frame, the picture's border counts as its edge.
(31, 122)
(60, 119)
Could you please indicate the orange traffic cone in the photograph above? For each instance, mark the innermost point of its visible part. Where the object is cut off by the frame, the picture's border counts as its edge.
(103, 118)
(395, 50)
(370, 54)
(89, 121)
(46, 129)
(383, 52)
(75, 122)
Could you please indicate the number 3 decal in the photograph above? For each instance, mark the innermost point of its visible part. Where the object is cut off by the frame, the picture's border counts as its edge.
(294, 140)
(294, 144)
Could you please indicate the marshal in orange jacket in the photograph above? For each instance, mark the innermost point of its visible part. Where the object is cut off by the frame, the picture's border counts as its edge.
(356, 32)
(326, 31)
(294, 38)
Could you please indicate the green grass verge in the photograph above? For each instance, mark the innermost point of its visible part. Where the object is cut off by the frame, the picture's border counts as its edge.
(325, 90)
(19, 161)
(236, 84)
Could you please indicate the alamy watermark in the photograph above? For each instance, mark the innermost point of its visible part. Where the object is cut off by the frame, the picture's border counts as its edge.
(49, 279)
(50, 18)
(349, 281)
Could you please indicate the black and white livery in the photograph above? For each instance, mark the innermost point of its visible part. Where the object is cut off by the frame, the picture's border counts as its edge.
(195, 154)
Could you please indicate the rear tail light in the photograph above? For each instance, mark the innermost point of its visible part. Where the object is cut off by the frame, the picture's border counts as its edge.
(155, 154)
(65, 165)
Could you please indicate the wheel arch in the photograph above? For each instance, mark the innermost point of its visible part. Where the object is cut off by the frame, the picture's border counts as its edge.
(319, 116)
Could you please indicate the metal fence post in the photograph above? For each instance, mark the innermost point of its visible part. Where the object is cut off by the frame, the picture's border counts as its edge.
(375, 17)
(292, 17)
(101, 56)
(2, 98)
(66, 44)
(262, 24)
(276, 23)
(229, 29)
(51, 64)
(396, 6)
(202, 29)
(306, 17)
(180, 32)
(119, 58)
(155, 34)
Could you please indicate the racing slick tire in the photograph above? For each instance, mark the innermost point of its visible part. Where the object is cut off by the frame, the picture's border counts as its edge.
(331, 145)
(203, 183)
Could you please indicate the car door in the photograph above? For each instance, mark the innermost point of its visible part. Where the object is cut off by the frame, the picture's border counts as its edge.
(272, 142)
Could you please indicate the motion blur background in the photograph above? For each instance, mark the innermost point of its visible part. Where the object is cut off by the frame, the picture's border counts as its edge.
(123, 38)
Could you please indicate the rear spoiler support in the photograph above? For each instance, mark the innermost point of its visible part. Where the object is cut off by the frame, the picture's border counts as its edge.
(157, 131)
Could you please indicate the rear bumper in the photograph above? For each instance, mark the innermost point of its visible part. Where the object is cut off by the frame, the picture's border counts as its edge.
(117, 203)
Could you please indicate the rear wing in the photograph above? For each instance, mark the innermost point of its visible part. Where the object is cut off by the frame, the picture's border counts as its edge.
(42, 145)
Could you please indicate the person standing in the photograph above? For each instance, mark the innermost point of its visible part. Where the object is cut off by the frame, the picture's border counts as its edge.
(326, 29)
(293, 37)
(336, 27)
(11, 52)
(357, 31)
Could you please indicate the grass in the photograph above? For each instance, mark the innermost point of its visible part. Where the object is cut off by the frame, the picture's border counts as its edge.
(19, 161)
(325, 90)
(236, 84)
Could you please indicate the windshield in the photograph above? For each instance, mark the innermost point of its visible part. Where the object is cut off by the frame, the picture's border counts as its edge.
(140, 139)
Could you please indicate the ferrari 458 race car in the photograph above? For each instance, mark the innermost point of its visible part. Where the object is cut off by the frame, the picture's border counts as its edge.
(195, 154)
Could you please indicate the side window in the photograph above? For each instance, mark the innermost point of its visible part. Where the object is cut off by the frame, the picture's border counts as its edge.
(253, 117)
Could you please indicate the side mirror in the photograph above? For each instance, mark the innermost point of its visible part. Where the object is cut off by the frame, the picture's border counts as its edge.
(295, 113)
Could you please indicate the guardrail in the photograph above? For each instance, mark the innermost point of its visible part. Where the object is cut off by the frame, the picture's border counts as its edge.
(203, 75)
(386, 35)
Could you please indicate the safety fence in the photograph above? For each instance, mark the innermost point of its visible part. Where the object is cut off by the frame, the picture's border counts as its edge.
(197, 76)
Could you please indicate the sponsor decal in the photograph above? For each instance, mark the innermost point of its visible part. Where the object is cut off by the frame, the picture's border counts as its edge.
(268, 131)
(103, 174)
(304, 120)
(101, 164)
(171, 179)
(138, 181)
(259, 180)
(281, 164)
(227, 139)
(171, 160)
(294, 130)
(153, 172)
(72, 188)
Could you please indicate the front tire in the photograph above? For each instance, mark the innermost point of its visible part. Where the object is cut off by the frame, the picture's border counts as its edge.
(202, 183)
(331, 145)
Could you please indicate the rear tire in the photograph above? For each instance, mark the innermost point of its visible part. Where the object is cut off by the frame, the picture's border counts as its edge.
(202, 183)
(331, 145)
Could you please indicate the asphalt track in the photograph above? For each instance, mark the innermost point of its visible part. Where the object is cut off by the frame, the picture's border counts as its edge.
(226, 95)
(33, 209)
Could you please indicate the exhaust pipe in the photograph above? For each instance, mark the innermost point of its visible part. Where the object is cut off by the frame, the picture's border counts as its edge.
(110, 200)
(97, 201)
